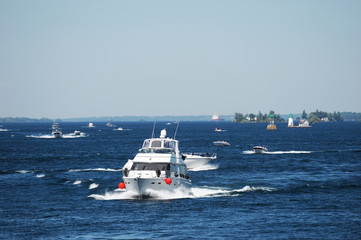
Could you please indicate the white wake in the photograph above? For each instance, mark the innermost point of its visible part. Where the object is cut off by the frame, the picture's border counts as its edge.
(278, 152)
(195, 192)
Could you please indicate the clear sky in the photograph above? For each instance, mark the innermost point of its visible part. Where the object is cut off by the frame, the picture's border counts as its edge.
(65, 58)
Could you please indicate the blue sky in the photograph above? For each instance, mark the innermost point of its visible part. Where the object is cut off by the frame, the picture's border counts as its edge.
(62, 59)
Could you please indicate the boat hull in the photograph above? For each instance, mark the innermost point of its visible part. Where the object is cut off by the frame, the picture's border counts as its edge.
(259, 150)
(153, 187)
(197, 161)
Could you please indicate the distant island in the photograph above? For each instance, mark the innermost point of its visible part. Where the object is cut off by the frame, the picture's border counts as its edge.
(313, 117)
(24, 119)
(259, 118)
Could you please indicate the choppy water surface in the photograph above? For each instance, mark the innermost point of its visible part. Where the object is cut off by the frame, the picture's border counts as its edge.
(307, 187)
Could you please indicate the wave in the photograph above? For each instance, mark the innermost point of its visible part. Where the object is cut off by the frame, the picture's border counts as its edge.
(76, 182)
(93, 185)
(40, 175)
(3, 130)
(22, 171)
(205, 168)
(279, 152)
(196, 192)
(95, 169)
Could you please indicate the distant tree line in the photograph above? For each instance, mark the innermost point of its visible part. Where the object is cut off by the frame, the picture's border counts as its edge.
(24, 119)
(318, 116)
(351, 116)
(259, 118)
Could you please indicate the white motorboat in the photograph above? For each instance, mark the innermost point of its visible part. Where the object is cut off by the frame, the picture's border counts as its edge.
(260, 149)
(157, 168)
(196, 160)
(218, 129)
(119, 129)
(90, 125)
(221, 143)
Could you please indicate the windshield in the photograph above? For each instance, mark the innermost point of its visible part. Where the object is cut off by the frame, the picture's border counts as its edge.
(151, 166)
(156, 150)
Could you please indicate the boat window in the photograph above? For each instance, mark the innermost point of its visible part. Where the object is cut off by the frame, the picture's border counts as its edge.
(151, 166)
(156, 150)
(173, 144)
(146, 144)
(157, 144)
(167, 144)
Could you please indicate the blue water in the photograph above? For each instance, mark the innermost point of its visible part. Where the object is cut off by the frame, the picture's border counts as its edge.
(307, 187)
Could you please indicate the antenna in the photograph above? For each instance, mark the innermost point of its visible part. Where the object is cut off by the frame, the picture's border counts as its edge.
(176, 131)
(153, 129)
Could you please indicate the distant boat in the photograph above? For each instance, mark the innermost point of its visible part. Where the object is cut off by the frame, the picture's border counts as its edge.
(90, 125)
(221, 143)
(56, 131)
(218, 129)
(260, 149)
(110, 125)
(215, 117)
(195, 160)
(119, 129)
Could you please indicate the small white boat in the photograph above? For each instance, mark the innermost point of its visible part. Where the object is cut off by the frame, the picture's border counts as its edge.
(260, 149)
(195, 160)
(221, 143)
(109, 125)
(218, 129)
(90, 125)
(157, 168)
(119, 129)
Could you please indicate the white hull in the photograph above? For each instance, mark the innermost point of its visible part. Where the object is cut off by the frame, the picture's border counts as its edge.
(196, 161)
(150, 187)
(57, 135)
(221, 143)
(260, 150)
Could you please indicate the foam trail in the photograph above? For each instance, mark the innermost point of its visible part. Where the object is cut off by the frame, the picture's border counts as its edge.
(205, 168)
(3, 130)
(288, 152)
(95, 169)
(279, 152)
(40, 136)
(195, 192)
(93, 185)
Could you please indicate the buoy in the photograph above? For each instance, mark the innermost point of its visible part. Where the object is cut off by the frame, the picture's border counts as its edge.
(121, 185)
(168, 181)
